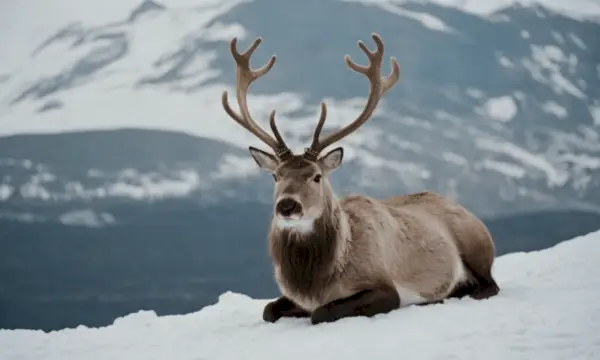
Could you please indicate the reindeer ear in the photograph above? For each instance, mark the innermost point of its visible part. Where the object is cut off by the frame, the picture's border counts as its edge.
(332, 159)
(265, 160)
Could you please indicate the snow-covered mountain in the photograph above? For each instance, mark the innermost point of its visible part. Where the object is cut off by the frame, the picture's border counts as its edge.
(497, 106)
(547, 309)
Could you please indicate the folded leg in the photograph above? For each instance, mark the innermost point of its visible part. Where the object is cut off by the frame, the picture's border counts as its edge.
(368, 303)
(282, 307)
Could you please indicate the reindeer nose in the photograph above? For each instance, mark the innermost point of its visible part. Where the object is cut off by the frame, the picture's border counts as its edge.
(288, 206)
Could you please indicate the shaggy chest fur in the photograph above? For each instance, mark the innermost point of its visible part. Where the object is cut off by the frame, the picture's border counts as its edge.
(305, 261)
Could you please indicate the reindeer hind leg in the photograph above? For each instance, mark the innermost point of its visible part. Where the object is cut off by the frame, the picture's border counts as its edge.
(479, 285)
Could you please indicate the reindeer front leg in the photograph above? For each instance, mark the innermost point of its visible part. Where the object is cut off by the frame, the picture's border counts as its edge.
(368, 302)
(282, 307)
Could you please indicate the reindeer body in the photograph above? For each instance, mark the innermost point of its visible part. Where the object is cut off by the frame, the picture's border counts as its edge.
(412, 243)
(358, 256)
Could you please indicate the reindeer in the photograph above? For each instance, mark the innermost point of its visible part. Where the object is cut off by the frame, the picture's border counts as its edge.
(357, 256)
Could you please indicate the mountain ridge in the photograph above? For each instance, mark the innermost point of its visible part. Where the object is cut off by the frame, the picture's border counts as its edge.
(504, 123)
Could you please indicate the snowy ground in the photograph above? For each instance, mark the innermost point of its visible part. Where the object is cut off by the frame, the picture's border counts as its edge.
(548, 309)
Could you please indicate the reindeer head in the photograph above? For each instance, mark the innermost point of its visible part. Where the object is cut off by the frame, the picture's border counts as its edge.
(302, 190)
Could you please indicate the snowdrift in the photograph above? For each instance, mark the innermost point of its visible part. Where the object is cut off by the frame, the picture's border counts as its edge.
(548, 308)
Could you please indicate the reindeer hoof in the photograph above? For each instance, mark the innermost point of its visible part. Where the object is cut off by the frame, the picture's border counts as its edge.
(322, 314)
(485, 292)
(270, 313)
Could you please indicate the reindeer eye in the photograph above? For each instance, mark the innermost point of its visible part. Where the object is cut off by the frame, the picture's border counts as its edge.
(317, 178)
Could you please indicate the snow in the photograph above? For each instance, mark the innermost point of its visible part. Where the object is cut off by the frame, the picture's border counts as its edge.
(577, 41)
(547, 309)
(581, 161)
(580, 9)
(555, 175)
(404, 170)
(5, 192)
(110, 95)
(577, 9)
(232, 166)
(86, 217)
(555, 109)
(143, 186)
(504, 168)
(502, 108)
(558, 37)
(549, 59)
(150, 41)
(127, 183)
(34, 188)
(595, 111)
(504, 61)
(27, 22)
(475, 93)
(454, 158)
(427, 20)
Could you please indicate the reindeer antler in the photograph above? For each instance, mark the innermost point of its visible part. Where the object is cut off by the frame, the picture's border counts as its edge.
(379, 86)
(245, 77)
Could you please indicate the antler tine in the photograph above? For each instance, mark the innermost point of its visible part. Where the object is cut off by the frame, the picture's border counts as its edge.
(283, 152)
(378, 87)
(245, 76)
(309, 152)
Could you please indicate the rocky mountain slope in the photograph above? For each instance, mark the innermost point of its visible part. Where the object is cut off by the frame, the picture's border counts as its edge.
(499, 110)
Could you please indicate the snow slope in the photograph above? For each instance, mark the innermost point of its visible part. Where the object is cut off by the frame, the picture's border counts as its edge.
(581, 9)
(548, 309)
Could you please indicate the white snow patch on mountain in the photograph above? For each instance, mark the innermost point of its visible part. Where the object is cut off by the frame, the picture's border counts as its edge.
(577, 41)
(581, 161)
(201, 115)
(595, 111)
(86, 217)
(580, 9)
(111, 97)
(27, 22)
(127, 183)
(34, 188)
(546, 66)
(144, 186)
(106, 102)
(505, 168)
(554, 175)
(454, 158)
(427, 20)
(547, 309)
(558, 37)
(555, 109)
(5, 191)
(474, 93)
(504, 61)
(232, 166)
(502, 108)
